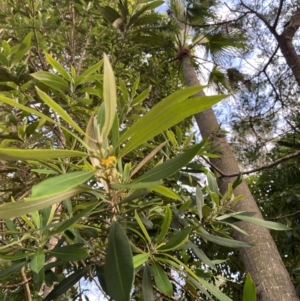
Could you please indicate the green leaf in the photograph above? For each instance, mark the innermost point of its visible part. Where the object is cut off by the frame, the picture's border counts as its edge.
(161, 279)
(137, 185)
(69, 253)
(212, 183)
(199, 201)
(213, 289)
(67, 283)
(109, 96)
(263, 223)
(147, 284)
(119, 270)
(249, 292)
(167, 192)
(14, 268)
(165, 114)
(71, 221)
(37, 262)
(140, 259)
(11, 154)
(199, 253)
(59, 110)
(22, 49)
(141, 97)
(93, 69)
(226, 242)
(176, 240)
(142, 227)
(15, 104)
(109, 14)
(15, 209)
(57, 66)
(51, 80)
(165, 225)
(60, 183)
(16, 256)
(169, 167)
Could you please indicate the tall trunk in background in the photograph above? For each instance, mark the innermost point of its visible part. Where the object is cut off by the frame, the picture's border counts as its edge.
(263, 260)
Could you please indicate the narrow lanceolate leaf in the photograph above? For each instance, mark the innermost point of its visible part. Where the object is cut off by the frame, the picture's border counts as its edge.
(67, 283)
(71, 221)
(16, 256)
(12, 154)
(15, 209)
(263, 223)
(165, 225)
(140, 259)
(69, 253)
(14, 268)
(147, 284)
(212, 183)
(137, 185)
(214, 290)
(199, 201)
(23, 48)
(139, 221)
(161, 279)
(199, 253)
(249, 292)
(166, 114)
(176, 240)
(110, 97)
(167, 192)
(93, 69)
(226, 242)
(60, 183)
(171, 166)
(51, 80)
(15, 104)
(119, 270)
(57, 66)
(59, 110)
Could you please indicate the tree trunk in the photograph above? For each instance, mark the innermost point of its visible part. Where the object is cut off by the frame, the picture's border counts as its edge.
(285, 40)
(263, 260)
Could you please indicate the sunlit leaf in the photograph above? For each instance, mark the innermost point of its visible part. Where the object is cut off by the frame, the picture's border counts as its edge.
(110, 98)
(14, 209)
(51, 80)
(59, 110)
(60, 183)
(249, 291)
(140, 259)
(11, 154)
(57, 66)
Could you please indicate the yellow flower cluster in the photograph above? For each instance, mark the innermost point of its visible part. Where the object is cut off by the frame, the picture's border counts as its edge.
(109, 161)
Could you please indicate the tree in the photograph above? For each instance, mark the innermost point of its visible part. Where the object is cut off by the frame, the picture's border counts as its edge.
(256, 258)
(118, 184)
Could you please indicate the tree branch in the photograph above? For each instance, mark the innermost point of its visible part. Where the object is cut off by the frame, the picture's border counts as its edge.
(283, 216)
(267, 166)
(278, 14)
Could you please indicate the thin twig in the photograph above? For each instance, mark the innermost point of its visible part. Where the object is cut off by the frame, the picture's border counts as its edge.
(284, 216)
(267, 166)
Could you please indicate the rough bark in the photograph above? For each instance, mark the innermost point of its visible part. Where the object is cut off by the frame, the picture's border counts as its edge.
(263, 260)
(285, 40)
